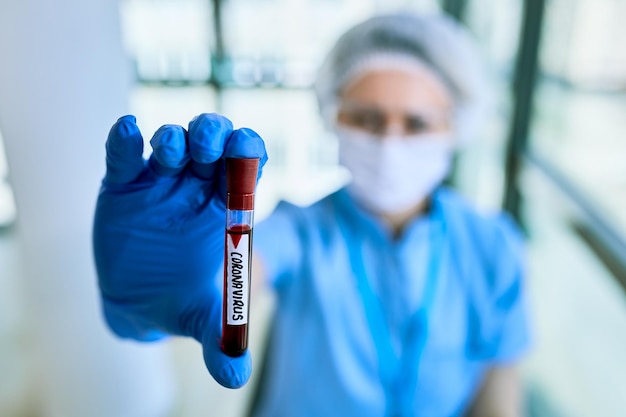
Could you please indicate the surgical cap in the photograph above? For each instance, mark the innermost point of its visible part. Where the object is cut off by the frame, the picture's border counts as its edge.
(435, 40)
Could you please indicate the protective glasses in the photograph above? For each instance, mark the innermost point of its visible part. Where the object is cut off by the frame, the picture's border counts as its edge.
(381, 122)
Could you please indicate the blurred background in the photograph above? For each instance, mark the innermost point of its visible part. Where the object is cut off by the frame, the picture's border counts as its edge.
(553, 155)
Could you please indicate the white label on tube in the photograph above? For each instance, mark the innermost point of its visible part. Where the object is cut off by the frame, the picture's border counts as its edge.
(237, 274)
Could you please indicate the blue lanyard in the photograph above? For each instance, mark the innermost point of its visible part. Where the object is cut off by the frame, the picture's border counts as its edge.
(399, 374)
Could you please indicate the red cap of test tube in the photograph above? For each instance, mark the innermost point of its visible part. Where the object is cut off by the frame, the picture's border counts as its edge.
(241, 174)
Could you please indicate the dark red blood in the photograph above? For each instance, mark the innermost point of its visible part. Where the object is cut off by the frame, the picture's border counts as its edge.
(235, 338)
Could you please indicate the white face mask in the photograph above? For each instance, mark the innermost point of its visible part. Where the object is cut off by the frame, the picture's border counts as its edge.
(393, 174)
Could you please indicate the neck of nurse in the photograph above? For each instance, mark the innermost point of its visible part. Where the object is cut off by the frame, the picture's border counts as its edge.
(399, 220)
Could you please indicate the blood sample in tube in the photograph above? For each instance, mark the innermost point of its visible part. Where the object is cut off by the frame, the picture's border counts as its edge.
(241, 175)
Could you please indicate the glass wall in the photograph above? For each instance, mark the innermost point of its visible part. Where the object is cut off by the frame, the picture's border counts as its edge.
(496, 26)
(580, 125)
(579, 129)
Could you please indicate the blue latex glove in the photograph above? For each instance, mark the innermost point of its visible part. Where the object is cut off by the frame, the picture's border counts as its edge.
(159, 234)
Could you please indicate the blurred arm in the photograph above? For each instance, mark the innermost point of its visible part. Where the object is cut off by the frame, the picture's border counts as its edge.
(500, 394)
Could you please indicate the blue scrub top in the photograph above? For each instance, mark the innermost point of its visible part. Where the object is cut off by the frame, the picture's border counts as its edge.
(324, 359)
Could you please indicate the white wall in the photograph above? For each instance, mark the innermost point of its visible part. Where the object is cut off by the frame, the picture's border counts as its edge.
(63, 82)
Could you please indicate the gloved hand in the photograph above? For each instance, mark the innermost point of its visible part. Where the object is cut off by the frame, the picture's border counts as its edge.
(159, 234)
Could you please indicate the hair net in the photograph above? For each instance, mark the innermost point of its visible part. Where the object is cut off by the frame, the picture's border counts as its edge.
(436, 40)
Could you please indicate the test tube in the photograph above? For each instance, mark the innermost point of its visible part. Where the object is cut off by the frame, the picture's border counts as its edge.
(241, 176)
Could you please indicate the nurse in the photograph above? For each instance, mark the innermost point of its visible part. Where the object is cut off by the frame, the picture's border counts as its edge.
(394, 296)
